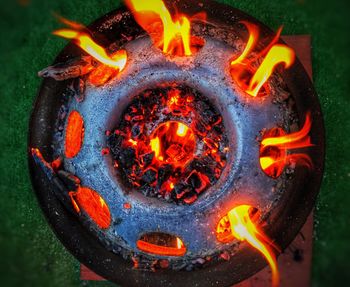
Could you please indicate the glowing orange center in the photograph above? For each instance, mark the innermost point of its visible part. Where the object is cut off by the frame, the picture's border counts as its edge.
(173, 142)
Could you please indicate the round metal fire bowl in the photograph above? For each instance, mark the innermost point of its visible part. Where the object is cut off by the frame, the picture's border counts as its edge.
(242, 181)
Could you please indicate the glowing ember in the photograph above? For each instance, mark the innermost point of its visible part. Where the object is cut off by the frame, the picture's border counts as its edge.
(114, 63)
(243, 68)
(53, 166)
(170, 144)
(93, 204)
(173, 142)
(153, 16)
(238, 223)
(161, 244)
(276, 143)
(74, 134)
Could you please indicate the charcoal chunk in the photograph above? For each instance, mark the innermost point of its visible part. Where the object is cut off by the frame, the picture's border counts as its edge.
(149, 176)
(127, 157)
(164, 173)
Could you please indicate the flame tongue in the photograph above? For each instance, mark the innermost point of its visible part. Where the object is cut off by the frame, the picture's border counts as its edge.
(176, 38)
(275, 145)
(243, 228)
(112, 64)
(295, 140)
(84, 41)
(275, 54)
(278, 54)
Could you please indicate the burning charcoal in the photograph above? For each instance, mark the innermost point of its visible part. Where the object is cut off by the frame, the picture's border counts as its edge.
(176, 152)
(136, 131)
(164, 173)
(190, 197)
(71, 69)
(179, 191)
(149, 176)
(138, 118)
(127, 157)
(147, 159)
(194, 180)
(161, 152)
(200, 129)
(114, 143)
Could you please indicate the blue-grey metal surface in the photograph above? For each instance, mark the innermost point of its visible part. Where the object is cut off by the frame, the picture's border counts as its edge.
(242, 180)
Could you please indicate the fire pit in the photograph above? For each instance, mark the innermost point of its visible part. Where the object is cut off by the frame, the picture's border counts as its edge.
(184, 160)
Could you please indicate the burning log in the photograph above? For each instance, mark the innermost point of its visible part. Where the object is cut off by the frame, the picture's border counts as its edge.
(99, 63)
(73, 68)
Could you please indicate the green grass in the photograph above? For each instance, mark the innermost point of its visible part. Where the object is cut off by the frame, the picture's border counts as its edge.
(30, 255)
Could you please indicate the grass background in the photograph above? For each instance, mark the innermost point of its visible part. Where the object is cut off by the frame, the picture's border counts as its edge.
(30, 255)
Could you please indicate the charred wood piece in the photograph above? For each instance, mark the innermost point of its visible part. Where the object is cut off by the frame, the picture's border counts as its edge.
(73, 68)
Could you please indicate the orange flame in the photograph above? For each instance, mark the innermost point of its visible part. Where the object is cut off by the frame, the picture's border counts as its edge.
(275, 54)
(274, 146)
(176, 38)
(240, 225)
(114, 63)
(253, 38)
(84, 41)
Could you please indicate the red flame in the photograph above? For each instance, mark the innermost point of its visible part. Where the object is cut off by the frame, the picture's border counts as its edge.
(238, 223)
(153, 16)
(276, 143)
(243, 71)
(74, 134)
(93, 204)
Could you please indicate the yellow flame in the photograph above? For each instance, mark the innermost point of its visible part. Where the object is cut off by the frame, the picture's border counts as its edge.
(179, 243)
(243, 228)
(155, 146)
(84, 41)
(277, 55)
(253, 37)
(146, 12)
(266, 162)
(295, 140)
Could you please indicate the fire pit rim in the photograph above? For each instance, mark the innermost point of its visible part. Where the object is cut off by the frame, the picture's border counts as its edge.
(75, 250)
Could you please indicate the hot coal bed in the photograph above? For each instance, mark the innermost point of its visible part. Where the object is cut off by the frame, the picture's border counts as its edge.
(170, 144)
(148, 162)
